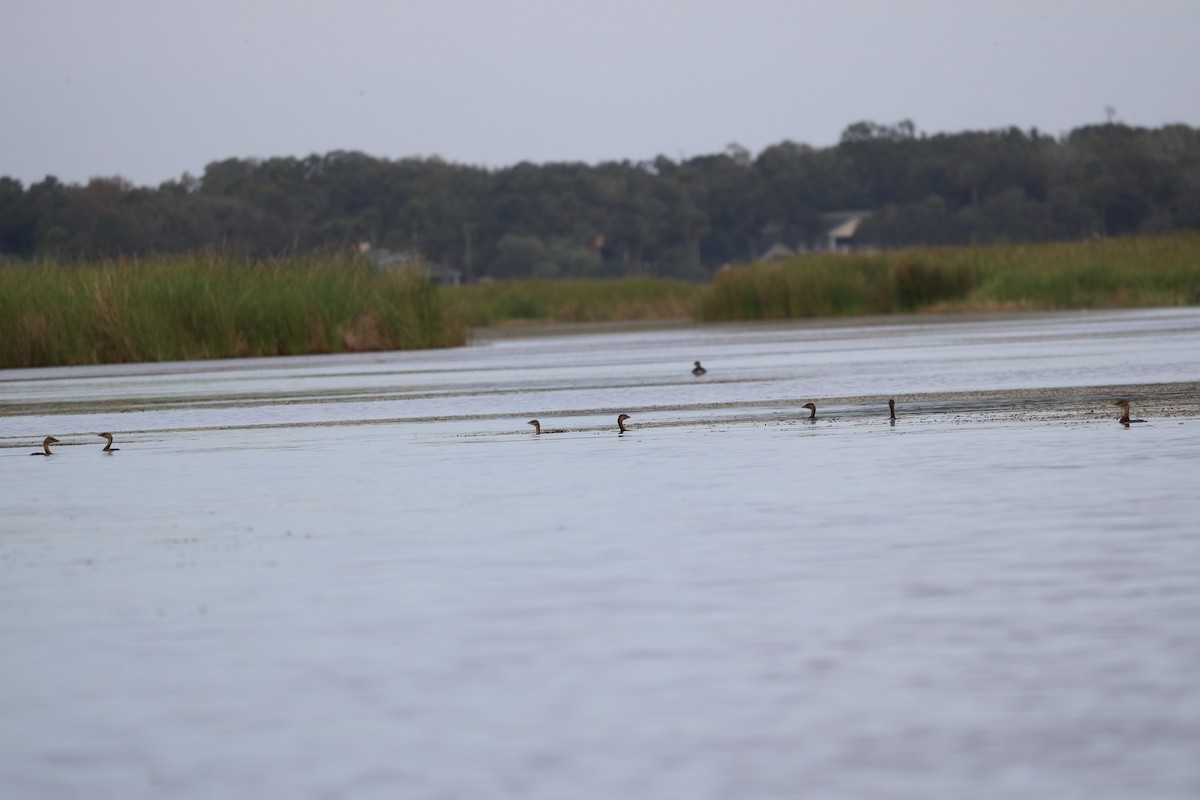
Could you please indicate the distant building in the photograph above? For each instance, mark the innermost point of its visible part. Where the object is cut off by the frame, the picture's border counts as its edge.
(446, 276)
(841, 229)
(839, 234)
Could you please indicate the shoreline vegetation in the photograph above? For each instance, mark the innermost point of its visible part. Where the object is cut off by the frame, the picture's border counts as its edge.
(214, 306)
(175, 308)
(1125, 272)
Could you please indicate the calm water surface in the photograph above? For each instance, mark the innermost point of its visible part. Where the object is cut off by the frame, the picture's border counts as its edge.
(363, 576)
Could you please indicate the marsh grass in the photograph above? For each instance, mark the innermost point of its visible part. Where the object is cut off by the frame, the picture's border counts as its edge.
(203, 306)
(1113, 273)
(212, 306)
(574, 300)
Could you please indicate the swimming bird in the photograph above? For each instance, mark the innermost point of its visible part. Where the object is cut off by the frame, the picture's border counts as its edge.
(49, 440)
(812, 408)
(698, 370)
(621, 422)
(1125, 420)
(537, 428)
(892, 409)
(108, 448)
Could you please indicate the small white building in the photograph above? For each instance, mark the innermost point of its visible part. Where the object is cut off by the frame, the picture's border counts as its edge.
(841, 227)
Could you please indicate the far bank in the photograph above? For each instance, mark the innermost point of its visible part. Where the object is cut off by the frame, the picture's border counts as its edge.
(214, 306)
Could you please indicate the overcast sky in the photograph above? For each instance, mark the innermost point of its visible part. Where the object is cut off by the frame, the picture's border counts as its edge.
(150, 89)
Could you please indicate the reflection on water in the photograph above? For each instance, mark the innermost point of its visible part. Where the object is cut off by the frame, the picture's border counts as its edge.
(365, 576)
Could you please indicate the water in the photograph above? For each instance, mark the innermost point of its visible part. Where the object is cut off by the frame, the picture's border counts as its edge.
(364, 576)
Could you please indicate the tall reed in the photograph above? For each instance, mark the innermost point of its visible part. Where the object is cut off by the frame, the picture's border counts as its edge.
(574, 300)
(213, 306)
(1112, 273)
(205, 306)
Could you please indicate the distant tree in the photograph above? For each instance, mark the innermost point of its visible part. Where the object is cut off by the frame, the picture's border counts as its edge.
(521, 257)
(17, 219)
(660, 216)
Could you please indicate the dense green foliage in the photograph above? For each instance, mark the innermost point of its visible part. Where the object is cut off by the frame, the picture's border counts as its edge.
(174, 308)
(1124, 272)
(682, 218)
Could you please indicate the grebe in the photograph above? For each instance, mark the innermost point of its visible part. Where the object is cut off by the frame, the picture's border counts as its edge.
(108, 448)
(1125, 420)
(892, 409)
(49, 440)
(537, 428)
(698, 370)
(621, 422)
(812, 409)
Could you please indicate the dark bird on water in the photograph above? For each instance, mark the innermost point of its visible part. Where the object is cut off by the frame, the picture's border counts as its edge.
(108, 448)
(812, 410)
(621, 422)
(45, 451)
(1125, 420)
(537, 428)
(892, 410)
(698, 370)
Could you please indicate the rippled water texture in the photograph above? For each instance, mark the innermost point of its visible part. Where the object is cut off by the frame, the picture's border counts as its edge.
(365, 577)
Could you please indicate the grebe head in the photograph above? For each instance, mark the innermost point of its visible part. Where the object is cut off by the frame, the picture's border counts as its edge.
(697, 363)
(621, 422)
(1125, 420)
(108, 448)
(45, 451)
(812, 408)
(537, 426)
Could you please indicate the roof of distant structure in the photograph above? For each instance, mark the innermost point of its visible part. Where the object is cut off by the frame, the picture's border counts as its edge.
(844, 224)
(777, 250)
(846, 229)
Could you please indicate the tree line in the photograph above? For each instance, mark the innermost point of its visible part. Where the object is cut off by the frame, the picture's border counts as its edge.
(668, 217)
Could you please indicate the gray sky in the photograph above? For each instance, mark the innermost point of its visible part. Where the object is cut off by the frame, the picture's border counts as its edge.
(150, 89)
